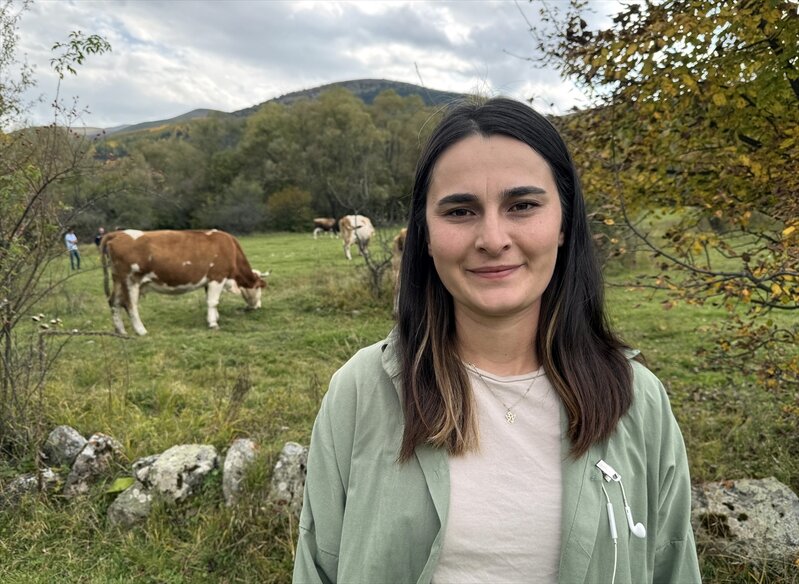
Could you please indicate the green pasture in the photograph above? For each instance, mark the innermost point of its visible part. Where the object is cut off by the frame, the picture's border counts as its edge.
(262, 376)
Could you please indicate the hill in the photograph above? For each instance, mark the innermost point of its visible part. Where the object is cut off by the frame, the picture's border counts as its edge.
(192, 115)
(365, 89)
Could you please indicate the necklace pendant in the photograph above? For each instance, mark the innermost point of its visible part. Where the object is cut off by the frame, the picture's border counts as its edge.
(510, 417)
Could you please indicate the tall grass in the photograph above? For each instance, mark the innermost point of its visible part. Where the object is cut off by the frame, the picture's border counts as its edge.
(262, 376)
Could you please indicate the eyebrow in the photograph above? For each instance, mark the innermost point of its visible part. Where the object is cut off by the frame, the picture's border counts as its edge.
(512, 193)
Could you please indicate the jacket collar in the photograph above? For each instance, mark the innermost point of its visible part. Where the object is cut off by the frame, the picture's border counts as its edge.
(582, 510)
(433, 462)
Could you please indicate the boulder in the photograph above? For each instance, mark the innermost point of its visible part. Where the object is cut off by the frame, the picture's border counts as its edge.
(28, 483)
(93, 460)
(240, 456)
(63, 446)
(756, 519)
(181, 469)
(131, 506)
(288, 479)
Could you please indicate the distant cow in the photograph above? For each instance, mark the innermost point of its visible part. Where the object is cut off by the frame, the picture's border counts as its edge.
(324, 225)
(175, 262)
(355, 229)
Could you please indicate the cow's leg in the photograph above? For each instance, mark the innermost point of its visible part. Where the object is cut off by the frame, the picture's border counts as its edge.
(115, 301)
(316, 232)
(362, 247)
(347, 250)
(213, 291)
(133, 308)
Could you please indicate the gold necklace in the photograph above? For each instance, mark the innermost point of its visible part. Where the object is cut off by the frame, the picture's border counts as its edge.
(510, 417)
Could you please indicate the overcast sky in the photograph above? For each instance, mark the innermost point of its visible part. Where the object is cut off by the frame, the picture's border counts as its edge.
(172, 56)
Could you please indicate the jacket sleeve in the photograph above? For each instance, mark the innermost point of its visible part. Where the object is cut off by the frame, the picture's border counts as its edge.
(675, 553)
(324, 498)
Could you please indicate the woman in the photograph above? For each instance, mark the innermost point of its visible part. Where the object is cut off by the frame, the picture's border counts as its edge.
(481, 441)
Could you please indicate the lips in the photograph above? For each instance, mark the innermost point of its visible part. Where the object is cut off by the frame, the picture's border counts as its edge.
(492, 272)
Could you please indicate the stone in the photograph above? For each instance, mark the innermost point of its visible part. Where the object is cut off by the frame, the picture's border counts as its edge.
(181, 469)
(288, 478)
(756, 519)
(240, 456)
(94, 459)
(28, 483)
(141, 468)
(131, 506)
(63, 446)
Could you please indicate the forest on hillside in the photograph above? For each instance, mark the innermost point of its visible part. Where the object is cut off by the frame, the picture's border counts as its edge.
(275, 169)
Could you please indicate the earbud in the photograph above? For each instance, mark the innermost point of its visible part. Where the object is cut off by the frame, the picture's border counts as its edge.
(637, 529)
(609, 474)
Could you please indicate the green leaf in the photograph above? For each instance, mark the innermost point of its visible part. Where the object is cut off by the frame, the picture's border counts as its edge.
(120, 485)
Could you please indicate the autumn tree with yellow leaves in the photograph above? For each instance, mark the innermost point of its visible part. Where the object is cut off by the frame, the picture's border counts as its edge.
(695, 112)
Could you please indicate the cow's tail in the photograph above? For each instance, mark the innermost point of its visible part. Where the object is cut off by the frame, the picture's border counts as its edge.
(104, 259)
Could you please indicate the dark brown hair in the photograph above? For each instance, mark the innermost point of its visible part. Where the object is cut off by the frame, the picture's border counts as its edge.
(580, 353)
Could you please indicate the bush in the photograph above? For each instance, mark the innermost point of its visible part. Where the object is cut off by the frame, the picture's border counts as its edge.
(290, 210)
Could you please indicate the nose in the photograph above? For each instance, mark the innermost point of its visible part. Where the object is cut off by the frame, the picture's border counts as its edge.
(493, 238)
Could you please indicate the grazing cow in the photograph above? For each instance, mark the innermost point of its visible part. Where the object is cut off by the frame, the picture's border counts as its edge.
(355, 229)
(175, 262)
(324, 225)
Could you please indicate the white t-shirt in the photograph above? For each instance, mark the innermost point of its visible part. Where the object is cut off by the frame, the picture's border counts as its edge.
(505, 500)
(71, 241)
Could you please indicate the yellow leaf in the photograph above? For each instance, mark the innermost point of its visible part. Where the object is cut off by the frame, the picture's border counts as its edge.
(609, 221)
(788, 230)
(719, 99)
(776, 290)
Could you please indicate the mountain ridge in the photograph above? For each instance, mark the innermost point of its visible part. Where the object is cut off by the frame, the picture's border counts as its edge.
(365, 89)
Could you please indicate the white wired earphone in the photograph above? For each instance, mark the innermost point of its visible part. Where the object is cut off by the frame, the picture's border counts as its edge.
(637, 529)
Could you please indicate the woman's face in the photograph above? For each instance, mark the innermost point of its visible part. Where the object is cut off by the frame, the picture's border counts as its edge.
(494, 226)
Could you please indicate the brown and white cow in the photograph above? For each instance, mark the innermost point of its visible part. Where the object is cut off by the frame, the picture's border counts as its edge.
(355, 229)
(175, 262)
(324, 225)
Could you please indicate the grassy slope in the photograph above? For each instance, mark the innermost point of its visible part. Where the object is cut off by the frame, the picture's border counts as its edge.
(177, 385)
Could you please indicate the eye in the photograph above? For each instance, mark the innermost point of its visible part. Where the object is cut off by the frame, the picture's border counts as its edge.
(523, 206)
(459, 212)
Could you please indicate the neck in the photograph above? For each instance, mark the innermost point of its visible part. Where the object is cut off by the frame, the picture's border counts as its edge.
(501, 346)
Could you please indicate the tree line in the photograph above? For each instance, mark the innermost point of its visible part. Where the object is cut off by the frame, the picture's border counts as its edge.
(273, 170)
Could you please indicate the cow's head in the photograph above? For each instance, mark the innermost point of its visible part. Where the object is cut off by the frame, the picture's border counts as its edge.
(252, 295)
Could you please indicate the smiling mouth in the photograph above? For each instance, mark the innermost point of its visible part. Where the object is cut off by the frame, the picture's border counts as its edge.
(494, 271)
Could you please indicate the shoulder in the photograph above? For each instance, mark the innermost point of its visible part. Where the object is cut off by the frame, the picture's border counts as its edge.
(364, 381)
(649, 394)
(650, 418)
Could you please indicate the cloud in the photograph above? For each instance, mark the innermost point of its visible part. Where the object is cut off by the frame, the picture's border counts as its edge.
(171, 57)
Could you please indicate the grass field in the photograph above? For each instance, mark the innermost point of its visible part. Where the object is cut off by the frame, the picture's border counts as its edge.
(176, 385)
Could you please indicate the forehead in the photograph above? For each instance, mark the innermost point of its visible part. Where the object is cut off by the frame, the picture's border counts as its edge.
(491, 161)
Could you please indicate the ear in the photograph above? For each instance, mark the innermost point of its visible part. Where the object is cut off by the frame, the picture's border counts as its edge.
(561, 238)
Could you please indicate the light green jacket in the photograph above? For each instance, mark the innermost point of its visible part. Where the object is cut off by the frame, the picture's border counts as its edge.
(367, 518)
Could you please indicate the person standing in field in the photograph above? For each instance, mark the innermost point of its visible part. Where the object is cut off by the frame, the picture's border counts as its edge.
(71, 241)
(502, 432)
(99, 236)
